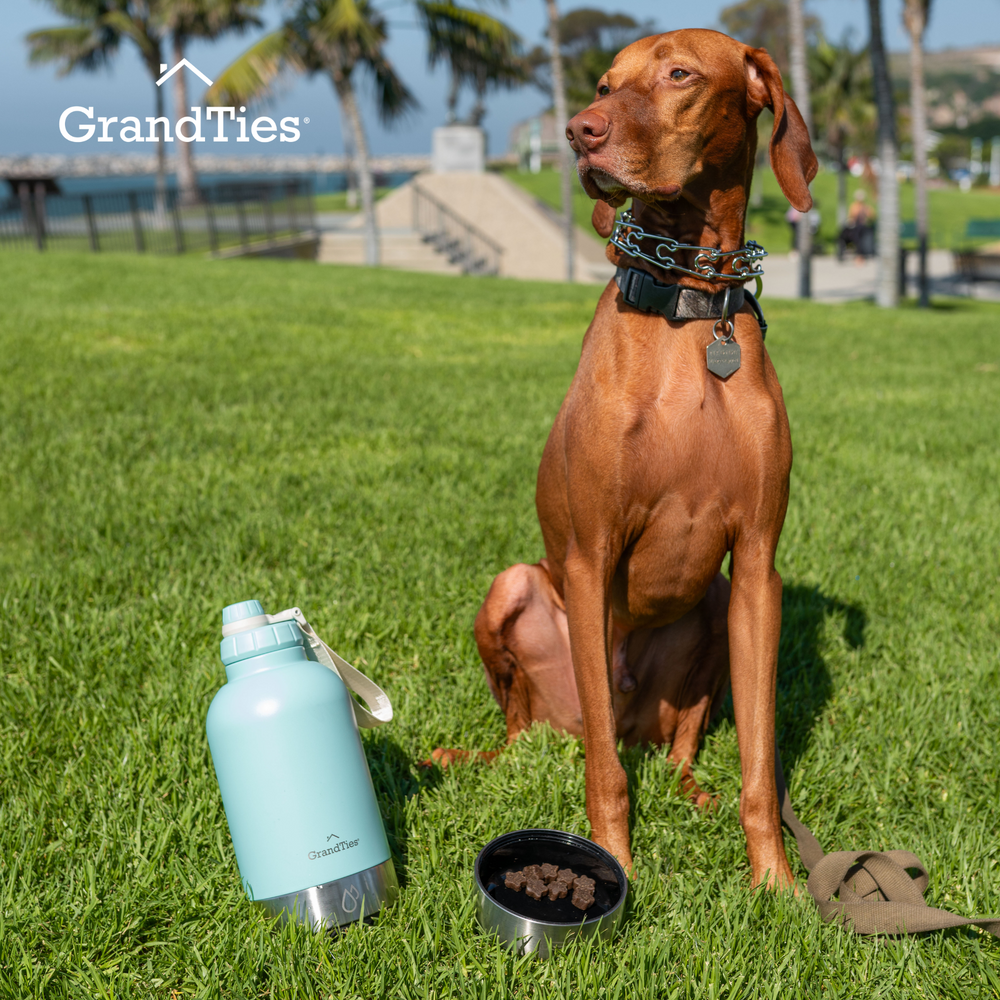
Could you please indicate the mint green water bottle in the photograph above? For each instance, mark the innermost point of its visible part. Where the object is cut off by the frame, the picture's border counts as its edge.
(298, 796)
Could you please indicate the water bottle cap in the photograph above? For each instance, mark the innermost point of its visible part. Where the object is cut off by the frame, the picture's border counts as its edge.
(245, 609)
(256, 641)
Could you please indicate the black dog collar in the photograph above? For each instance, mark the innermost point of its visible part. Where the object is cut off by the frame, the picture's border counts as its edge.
(642, 291)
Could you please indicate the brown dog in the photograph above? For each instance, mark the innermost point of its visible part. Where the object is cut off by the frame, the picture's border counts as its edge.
(656, 468)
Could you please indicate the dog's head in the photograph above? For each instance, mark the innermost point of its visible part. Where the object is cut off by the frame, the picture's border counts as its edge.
(675, 118)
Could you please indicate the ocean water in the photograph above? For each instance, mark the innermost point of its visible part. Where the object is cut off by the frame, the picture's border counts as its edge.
(322, 183)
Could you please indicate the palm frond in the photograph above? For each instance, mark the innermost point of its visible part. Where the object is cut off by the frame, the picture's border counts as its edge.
(474, 44)
(252, 75)
(394, 99)
(206, 18)
(350, 25)
(140, 30)
(78, 46)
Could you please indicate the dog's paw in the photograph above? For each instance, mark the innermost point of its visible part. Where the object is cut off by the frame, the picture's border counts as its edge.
(705, 801)
(444, 758)
(688, 787)
(775, 877)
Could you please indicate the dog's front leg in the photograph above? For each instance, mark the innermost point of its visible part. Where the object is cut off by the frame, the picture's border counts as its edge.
(588, 614)
(754, 631)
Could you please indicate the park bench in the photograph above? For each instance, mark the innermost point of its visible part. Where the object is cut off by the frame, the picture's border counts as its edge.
(980, 263)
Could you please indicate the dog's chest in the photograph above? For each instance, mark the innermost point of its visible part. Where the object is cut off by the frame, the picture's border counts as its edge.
(681, 454)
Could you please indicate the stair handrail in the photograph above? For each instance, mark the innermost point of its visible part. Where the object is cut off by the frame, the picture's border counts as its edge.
(470, 231)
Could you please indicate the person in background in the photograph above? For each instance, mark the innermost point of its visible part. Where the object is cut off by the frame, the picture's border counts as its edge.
(860, 229)
(792, 217)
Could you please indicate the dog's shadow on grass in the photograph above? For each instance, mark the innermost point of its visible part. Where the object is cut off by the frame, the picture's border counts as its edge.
(804, 688)
(804, 683)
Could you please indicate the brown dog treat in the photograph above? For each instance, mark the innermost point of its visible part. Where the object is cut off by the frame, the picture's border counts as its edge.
(567, 876)
(532, 871)
(558, 890)
(583, 892)
(548, 873)
(515, 881)
(535, 888)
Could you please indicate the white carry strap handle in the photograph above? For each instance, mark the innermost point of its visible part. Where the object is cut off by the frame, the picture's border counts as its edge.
(379, 708)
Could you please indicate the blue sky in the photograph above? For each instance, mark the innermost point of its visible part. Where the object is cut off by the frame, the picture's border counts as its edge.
(33, 96)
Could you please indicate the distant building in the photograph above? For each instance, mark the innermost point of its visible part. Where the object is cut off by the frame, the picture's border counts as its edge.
(536, 141)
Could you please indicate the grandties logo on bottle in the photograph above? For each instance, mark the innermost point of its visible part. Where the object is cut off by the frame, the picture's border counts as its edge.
(188, 129)
(343, 845)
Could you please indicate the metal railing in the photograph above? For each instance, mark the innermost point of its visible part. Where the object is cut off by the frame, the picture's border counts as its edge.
(460, 241)
(226, 218)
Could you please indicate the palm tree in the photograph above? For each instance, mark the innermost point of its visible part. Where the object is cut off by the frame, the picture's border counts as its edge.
(187, 19)
(915, 13)
(335, 37)
(842, 100)
(481, 52)
(590, 39)
(566, 158)
(765, 24)
(91, 40)
(887, 291)
(800, 85)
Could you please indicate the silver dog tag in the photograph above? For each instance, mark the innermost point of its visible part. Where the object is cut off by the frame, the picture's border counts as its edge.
(723, 357)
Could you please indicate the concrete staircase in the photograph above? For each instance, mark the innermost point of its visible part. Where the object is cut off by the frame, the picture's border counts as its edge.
(528, 234)
(403, 249)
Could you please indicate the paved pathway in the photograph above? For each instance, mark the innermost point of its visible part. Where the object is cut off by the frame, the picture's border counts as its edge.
(843, 281)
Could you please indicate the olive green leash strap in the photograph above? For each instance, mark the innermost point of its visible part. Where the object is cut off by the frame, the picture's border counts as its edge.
(876, 894)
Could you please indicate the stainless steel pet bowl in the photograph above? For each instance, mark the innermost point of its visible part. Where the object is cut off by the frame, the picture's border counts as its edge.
(541, 926)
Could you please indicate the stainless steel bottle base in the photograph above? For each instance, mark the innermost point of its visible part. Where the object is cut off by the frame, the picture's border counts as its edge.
(339, 902)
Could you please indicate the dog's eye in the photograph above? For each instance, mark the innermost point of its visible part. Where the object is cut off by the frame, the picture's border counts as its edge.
(679, 74)
(603, 91)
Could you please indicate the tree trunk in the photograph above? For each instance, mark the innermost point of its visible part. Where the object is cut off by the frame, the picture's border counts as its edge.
(566, 158)
(915, 18)
(800, 86)
(452, 116)
(350, 156)
(349, 106)
(161, 159)
(841, 188)
(478, 111)
(887, 291)
(187, 179)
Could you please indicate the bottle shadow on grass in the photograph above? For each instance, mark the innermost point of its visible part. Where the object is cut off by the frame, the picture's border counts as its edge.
(397, 777)
(804, 683)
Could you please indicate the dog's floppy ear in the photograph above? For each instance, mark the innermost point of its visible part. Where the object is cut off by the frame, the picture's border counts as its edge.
(792, 157)
(603, 219)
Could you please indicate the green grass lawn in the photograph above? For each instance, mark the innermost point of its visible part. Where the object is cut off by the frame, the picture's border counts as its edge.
(950, 208)
(176, 435)
(336, 201)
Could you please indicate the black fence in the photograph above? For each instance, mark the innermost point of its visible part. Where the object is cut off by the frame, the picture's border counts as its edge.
(225, 218)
